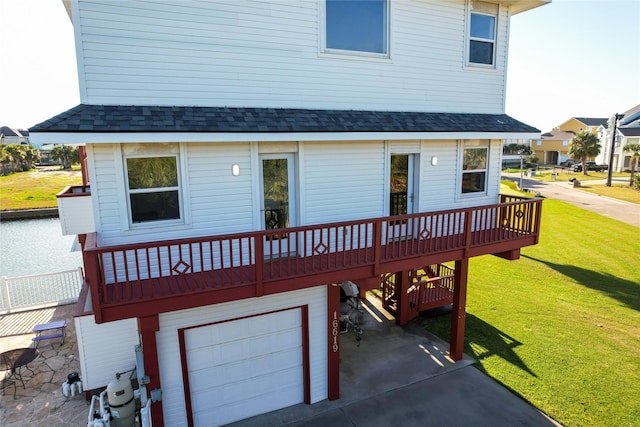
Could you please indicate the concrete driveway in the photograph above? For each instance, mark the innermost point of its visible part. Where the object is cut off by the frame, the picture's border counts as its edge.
(402, 376)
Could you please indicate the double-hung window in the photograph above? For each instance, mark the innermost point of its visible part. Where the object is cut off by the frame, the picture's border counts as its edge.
(474, 170)
(359, 26)
(482, 32)
(153, 189)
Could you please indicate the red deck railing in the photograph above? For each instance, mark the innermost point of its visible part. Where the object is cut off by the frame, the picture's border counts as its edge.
(431, 286)
(227, 267)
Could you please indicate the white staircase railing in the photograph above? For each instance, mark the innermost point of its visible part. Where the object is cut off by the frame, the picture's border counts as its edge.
(40, 290)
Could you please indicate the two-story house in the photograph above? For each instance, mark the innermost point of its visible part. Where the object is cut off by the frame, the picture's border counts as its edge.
(627, 132)
(553, 147)
(242, 158)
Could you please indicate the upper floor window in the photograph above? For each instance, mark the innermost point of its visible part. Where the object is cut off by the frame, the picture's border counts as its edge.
(482, 32)
(152, 187)
(357, 26)
(474, 170)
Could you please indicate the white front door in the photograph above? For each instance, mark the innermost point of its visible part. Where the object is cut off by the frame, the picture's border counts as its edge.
(277, 179)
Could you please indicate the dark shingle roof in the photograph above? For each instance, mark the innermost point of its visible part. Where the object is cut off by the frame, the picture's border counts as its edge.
(557, 134)
(135, 118)
(591, 121)
(8, 131)
(630, 131)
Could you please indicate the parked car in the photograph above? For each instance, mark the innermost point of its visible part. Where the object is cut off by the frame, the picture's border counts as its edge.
(567, 163)
(591, 166)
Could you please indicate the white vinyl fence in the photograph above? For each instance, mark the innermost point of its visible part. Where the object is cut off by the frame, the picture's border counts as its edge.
(19, 293)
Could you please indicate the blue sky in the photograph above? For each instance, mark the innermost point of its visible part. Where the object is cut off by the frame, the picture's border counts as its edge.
(572, 58)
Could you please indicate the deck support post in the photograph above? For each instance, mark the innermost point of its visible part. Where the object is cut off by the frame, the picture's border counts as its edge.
(147, 328)
(333, 347)
(458, 317)
(402, 287)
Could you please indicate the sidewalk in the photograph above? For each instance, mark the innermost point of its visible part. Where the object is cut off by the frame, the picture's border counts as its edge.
(560, 190)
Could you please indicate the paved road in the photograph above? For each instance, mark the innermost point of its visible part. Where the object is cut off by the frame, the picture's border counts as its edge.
(613, 208)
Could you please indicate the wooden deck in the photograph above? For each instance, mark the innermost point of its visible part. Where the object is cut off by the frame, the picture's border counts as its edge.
(155, 277)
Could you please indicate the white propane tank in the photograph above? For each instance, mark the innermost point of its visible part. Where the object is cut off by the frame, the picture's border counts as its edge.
(121, 402)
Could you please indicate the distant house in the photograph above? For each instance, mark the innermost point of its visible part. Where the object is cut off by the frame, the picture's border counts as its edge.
(627, 132)
(553, 147)
(247, 157)
(9, 136)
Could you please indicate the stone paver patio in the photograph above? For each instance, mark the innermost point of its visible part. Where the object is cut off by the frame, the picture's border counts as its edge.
(41, 401)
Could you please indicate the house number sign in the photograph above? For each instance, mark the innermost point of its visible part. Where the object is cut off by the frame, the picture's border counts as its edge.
(335, 331)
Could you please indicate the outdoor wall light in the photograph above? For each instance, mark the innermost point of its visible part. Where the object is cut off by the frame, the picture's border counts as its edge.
(235, 170)
(434, 161)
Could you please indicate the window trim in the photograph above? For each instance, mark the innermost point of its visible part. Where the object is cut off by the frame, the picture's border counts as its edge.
(464, 146)
(354, 54)
(469, 38)
(179, 188)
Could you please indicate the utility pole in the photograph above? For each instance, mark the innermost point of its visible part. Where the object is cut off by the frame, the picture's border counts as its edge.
(521, 170)
(615, 118)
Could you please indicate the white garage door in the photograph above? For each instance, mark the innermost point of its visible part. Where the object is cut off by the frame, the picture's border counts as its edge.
(245, 367)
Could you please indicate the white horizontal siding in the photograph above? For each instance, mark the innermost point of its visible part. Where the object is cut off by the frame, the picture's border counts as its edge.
(169, 354)
(342, 181)
(76, 215)
(439, 183)
(105, 349)
(220, 202)
(105, 189)
(266, 54)
(337, 181)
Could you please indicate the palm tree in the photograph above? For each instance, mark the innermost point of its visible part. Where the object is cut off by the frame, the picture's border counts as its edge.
(633, 148)
(584, 146)
(66, 154)
(30, 155)
(14, 155)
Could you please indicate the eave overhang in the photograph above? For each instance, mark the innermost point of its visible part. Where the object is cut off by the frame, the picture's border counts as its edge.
(110, 138)
(519, 6)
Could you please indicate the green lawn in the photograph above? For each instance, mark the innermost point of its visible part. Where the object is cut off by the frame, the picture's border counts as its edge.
(561, 326)
(35, 189)
(617, 191)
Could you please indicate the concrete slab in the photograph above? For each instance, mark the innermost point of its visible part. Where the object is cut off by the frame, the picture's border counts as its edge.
(464, 397)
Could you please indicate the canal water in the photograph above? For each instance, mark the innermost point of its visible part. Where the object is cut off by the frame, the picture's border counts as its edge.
(36, 246)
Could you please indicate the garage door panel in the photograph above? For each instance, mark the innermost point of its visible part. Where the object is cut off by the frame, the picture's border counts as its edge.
(223, 401)
(236, 411)
(206, 357)
(227, 352)
(245, 367)
(233, 372)
(240, 391)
